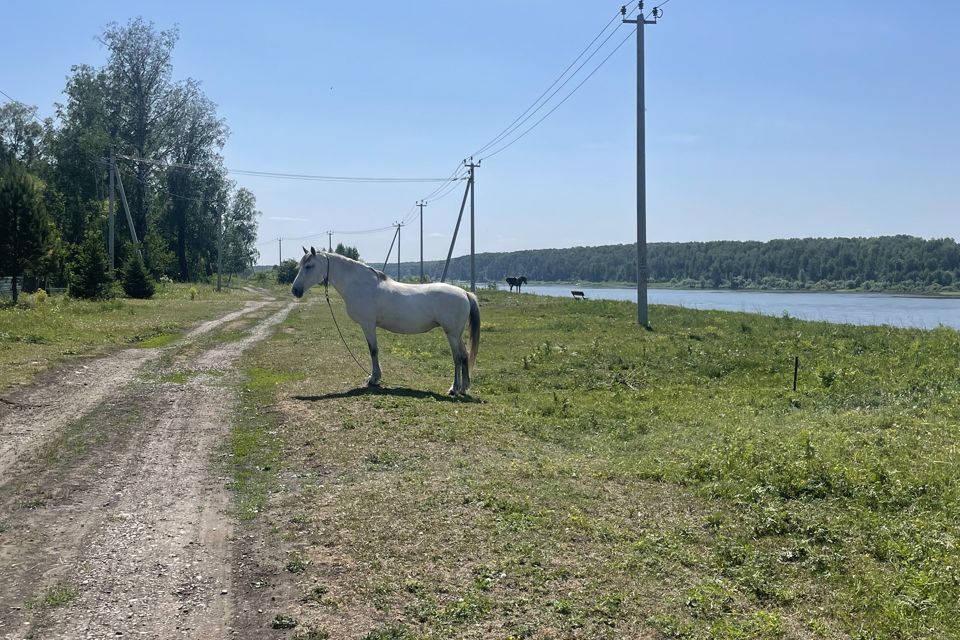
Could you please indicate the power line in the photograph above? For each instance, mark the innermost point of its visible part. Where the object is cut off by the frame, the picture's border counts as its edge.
(316, 178)
(33, 110)
(656, 8)
(567, 97)
(287, 176)
(513, 126)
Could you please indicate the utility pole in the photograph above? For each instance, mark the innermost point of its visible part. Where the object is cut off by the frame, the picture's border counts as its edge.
(456, 229)
(640, 21)
(330, 241)
(112, 220)
(421, 204)
(279, 251)
(126, 208)
(399, 225)
(473, 249)
(219, 248)
(386, 260)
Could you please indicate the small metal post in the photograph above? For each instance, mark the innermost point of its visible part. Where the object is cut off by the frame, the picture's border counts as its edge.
(796, 370)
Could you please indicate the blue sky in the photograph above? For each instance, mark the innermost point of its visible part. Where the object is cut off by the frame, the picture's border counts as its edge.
(765, 119)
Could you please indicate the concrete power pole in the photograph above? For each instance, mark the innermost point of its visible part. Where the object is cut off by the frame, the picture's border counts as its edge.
(421, 204)
(330, 241)
(473, 249)
(113, 217)
(399, 226)
(279, 251)
(220, 250)
(456, 230)
(640, 21)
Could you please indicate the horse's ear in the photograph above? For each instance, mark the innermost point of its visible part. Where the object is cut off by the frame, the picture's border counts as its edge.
(313, 251)
(305, 252)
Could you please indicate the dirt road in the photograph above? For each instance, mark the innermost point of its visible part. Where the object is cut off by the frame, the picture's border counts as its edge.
(113, 511)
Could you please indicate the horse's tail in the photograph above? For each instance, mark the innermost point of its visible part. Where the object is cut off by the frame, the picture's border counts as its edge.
(474, 328)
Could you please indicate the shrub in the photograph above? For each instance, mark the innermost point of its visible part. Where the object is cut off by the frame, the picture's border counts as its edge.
(89, 274)
(193, 293)
(40, 297)
(136, 282)
(287, 271)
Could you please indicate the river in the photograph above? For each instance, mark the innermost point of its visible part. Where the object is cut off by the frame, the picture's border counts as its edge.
(849, 308)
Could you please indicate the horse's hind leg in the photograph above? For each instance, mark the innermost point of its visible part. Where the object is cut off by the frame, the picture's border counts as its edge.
(461, 377)
(371, 334)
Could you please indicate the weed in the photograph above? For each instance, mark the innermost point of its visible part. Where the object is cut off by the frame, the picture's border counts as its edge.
(284, 621)
(56, 596)
(392, 632)
(297, 563)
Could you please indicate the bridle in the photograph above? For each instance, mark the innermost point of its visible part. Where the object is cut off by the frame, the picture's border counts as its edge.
(326, 292)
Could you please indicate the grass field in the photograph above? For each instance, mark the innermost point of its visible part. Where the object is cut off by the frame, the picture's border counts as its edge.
(610, 482)
(35, 336)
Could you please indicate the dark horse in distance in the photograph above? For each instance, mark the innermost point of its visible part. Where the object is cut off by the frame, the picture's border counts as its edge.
(516, 282)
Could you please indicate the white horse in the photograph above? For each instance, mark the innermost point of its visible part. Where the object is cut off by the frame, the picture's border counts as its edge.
(373, 300)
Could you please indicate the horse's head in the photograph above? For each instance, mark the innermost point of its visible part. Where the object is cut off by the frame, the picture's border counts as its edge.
(314, 268)
(523, 279)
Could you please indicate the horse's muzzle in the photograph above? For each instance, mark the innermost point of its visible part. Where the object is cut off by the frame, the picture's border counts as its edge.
(296, 291)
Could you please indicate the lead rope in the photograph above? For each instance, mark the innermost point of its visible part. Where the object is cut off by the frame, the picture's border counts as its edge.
(326, 292)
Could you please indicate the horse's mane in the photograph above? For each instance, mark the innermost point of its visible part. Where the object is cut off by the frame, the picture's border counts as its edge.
(380, 274)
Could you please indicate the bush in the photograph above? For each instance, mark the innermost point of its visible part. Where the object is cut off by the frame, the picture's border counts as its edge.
(287, 271)
(193, 293)
(136, 282)
(89, 274)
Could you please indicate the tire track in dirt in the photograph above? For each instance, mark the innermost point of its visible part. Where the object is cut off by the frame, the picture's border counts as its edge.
(146, 544)
(28, 415)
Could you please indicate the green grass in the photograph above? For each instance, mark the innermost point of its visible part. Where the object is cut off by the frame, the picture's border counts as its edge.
(605, 481)
(34, 337)
(56, 596)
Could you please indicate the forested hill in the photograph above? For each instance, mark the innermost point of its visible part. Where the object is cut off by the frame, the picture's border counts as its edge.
(890, 262)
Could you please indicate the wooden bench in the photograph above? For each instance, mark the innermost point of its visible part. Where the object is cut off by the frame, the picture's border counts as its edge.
(578, 295)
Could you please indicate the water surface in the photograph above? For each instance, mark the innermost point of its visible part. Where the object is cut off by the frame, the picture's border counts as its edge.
(848, 308)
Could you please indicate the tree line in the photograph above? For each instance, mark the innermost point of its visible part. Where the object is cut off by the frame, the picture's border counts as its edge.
(888, 263)
(167, 139)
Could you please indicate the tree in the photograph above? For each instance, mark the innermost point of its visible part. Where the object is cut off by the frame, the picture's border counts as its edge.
(21, 135)
(144, 105)
(240, 233)
(77, 149)
(350, 252)
(199, 137)
(89, 274)
(24, 226)
(136, 282)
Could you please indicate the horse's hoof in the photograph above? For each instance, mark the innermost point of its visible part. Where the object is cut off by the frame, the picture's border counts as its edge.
(452, 392)
(373, 384)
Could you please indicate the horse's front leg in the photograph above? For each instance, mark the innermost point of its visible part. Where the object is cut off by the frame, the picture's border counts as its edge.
(370, 332)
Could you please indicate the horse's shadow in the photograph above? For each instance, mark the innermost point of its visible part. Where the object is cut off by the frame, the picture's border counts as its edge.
(401, 392)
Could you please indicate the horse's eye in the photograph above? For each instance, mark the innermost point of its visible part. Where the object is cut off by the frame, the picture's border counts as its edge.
(308, 266)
